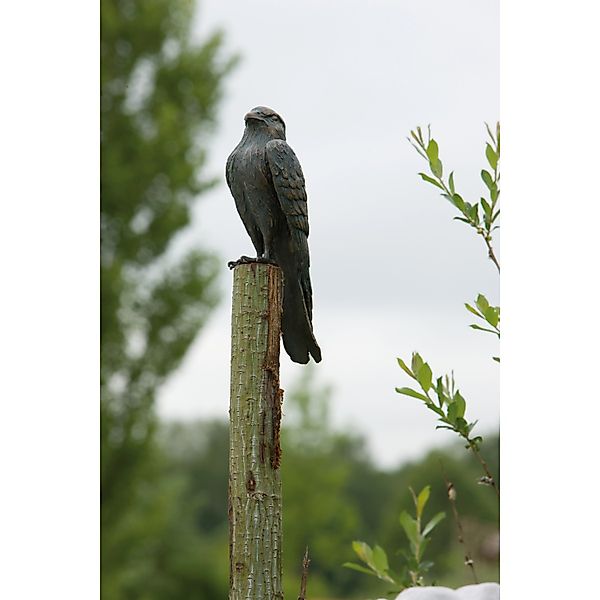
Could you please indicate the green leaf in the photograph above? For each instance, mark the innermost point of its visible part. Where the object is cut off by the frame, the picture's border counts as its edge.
(445, 427)
(380, 560)
(458, 202)
(439, 390)
(363, 551)
(498, 137)
(482, 303)
(431, 180)
(475, 326)
(405, 368)
(451, 415)
(491, 316)
(461, 424)
(490, 132)
(437, 168)
(424, 377)
(438, 411)
(432, 151)
(472, 310)
(488, 179)
(451, 182)
(410, 527)
(410, 392)
(487, 209)
(422, 499)
(422, 547)
(434, 521)
(418, 149)
(461, 405)
(491, 156)
(472, 212)
(496, 358)
(360, 568)
(416, 363)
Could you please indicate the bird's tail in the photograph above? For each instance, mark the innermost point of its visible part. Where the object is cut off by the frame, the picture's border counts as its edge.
(298, 337)
(296, 322)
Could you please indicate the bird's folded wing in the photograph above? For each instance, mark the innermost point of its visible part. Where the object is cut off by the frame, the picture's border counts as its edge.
(288, 181)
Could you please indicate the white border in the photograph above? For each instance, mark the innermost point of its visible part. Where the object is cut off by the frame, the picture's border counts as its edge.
(549, 400)
(49, 300)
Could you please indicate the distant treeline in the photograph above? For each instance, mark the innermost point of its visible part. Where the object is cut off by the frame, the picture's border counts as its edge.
(333, 494)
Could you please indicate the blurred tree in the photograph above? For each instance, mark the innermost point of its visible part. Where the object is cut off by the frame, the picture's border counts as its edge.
(159, 93)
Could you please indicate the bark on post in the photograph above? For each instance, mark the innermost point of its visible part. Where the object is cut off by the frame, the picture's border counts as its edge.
(254, 446)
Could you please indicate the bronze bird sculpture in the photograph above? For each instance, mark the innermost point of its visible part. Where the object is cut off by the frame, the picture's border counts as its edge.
(267, 184)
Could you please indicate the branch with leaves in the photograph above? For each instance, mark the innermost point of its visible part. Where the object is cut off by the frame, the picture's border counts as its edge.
(449, 405)
(413, 572)
(487, 313)
(484, 222)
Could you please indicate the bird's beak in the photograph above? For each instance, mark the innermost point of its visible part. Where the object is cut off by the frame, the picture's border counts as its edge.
(253, 115)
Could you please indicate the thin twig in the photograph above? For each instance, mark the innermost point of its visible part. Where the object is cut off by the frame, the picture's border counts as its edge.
(461, 538)
(305, 565)
(491, 253)
(489, 479)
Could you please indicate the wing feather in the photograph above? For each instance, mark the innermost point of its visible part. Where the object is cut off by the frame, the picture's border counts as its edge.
(288, 181)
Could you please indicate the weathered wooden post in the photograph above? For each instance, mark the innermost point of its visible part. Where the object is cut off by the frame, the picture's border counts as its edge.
(254, 448)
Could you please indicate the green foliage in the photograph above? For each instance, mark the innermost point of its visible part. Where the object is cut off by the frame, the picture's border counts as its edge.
(440, 394)
(413, 572)
(482, 216)
(486, 312)
(449, 405)
(376, 560)
(159, 97)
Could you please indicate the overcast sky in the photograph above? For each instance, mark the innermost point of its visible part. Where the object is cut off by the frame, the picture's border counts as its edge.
(390, 269)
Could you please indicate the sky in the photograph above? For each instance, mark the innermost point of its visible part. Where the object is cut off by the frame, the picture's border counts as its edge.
(390, 269)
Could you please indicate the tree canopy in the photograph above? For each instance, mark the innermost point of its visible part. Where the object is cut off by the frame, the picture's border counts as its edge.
(159, 94)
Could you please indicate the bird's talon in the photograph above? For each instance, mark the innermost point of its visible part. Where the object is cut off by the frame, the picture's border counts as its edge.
(245, 260)
(242, 260)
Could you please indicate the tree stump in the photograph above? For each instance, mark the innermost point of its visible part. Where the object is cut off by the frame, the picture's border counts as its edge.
(255, 515)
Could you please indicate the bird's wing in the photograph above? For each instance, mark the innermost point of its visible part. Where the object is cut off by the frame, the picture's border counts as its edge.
(288, 181)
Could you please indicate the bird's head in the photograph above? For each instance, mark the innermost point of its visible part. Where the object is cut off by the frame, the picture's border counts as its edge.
(266, 119)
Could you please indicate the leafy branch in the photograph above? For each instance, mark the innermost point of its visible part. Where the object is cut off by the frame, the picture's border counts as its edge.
(449, 405)
(489, 314)
(482, 222)
(413, 572)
